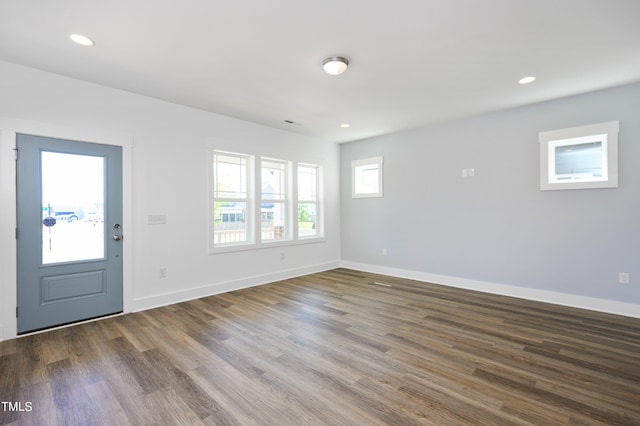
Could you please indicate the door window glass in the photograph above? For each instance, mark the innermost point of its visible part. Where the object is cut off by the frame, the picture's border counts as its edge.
(72, 207)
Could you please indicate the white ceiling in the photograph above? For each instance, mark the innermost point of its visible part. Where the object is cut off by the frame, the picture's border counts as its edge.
(413, 63)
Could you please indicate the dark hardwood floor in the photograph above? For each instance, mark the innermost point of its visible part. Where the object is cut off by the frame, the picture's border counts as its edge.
(331, 348)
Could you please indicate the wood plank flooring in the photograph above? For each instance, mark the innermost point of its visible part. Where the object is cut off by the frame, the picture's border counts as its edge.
(332, 348)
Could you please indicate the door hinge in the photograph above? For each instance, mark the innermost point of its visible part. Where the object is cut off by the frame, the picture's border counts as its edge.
(16, 151)
(16, 233)
(16, 312)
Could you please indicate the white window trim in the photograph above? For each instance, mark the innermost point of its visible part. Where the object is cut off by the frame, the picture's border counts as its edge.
(288, 168)
(255, 196)
(359, 163)
(318, 202)
(250, 201)
(551, 139)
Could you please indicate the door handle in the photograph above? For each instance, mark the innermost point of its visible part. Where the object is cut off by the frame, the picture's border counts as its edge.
(117, 237)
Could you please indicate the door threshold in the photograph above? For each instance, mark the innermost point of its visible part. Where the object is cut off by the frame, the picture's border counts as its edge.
(68, 324)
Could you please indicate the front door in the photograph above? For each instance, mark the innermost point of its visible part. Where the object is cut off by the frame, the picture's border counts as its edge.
(69, 236)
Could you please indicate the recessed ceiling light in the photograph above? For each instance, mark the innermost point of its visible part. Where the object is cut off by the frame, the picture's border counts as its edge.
(335, 65)
(527, 80)
(345, 125)
(82, 40)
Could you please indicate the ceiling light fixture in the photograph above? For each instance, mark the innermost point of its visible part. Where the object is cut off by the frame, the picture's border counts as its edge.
(345, 125)
(335, 65)
(526, 80)
(82, 40)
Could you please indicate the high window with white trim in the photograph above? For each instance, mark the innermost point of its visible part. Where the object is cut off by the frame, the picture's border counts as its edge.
(366, 178)
(579, 157)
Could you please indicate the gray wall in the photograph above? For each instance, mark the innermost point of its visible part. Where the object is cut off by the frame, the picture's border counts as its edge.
(498, 227)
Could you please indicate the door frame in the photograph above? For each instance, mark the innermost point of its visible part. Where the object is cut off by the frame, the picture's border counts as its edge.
(8, 221)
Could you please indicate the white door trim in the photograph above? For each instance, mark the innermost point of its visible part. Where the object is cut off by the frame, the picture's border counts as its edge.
(8, 249)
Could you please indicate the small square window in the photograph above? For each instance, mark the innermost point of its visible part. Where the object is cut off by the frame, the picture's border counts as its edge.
(366, 178)
(579, 157)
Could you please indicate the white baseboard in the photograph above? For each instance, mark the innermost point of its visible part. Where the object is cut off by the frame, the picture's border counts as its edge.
(223, 287)
(556, 298)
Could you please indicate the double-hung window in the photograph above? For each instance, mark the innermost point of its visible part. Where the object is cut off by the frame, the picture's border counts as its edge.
(308, 201)
(274, 206)
(232, 207)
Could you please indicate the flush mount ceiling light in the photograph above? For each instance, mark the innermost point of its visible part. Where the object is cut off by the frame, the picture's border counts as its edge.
(345, 125)
(335, 65)
(527, 80)
(82, 40)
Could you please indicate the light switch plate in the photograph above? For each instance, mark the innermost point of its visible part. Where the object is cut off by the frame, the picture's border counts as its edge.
(156, 219)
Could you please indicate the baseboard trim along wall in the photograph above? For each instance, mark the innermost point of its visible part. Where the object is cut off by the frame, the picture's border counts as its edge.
(165, 299)
(564, 299)
(583, 302)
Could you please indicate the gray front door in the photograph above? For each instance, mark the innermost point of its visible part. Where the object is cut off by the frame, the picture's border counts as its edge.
(69, 236)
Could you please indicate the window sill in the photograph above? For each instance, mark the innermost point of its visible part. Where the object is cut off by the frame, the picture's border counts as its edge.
(266, 245)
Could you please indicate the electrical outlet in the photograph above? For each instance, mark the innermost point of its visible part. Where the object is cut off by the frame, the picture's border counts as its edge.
(163, 273)
(384, 252)
(623, 278)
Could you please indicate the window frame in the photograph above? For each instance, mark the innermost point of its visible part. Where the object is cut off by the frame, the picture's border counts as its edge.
(287, 167)
(317, 200)
(254, 205)
(248, 200)
(356, 176)
(605, 133)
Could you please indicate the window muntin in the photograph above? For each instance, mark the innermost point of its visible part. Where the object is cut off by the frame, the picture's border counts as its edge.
(308, 201)
(231, 199)
(366, 178)
(274, 205)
